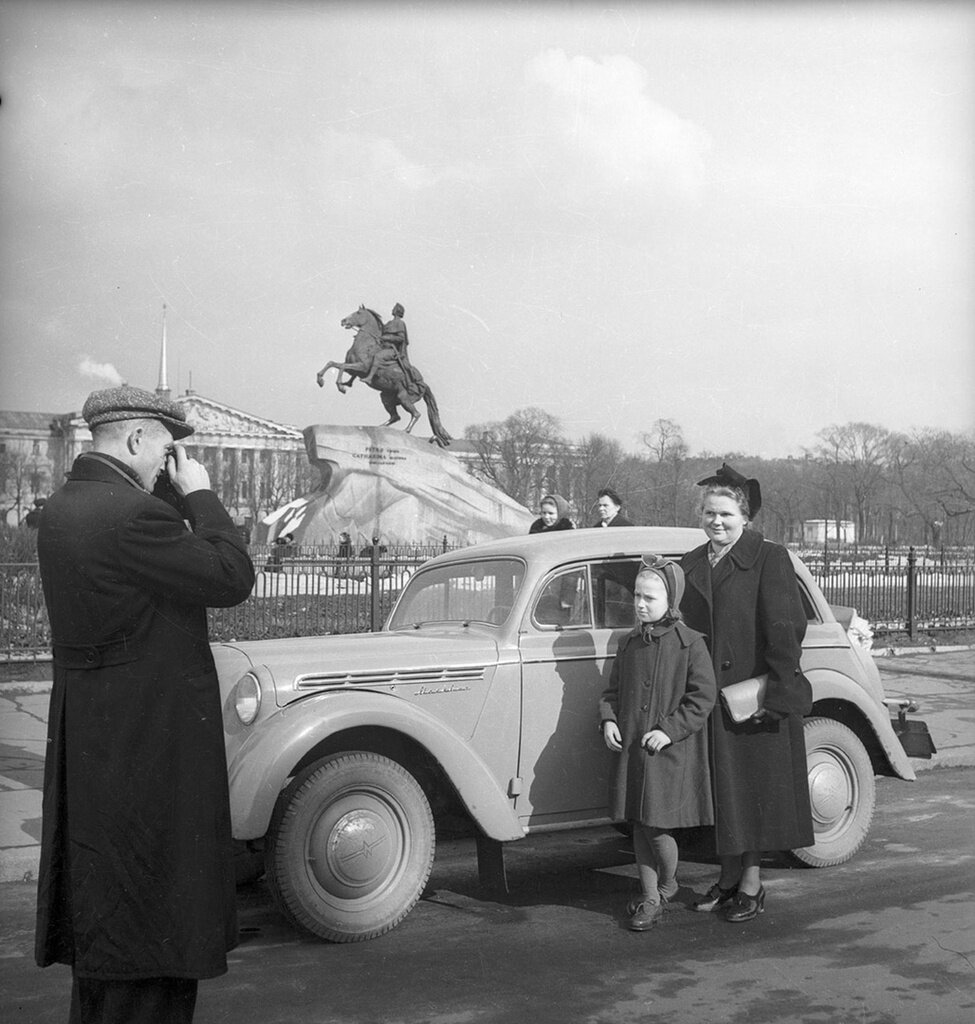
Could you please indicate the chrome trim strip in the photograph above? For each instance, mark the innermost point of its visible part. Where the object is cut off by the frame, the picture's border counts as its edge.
(391, 677)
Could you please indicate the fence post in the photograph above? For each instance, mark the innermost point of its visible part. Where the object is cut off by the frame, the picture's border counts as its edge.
(911, 582)
(374, 585)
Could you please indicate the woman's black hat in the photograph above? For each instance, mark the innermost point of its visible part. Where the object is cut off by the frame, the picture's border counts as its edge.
(728, 477)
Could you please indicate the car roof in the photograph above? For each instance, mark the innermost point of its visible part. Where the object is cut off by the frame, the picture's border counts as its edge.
(560, 546)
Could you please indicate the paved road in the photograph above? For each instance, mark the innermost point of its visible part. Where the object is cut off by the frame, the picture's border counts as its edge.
(885, 939)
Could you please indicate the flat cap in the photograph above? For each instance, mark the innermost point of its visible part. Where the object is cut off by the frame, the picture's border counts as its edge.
(126, 403)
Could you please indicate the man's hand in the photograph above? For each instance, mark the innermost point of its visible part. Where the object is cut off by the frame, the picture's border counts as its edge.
(186, 474)
(611, 736)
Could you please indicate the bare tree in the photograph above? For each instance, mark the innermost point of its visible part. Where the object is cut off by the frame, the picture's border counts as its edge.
(667, 464)
(855, 457)
(933, 472)
(516, 454)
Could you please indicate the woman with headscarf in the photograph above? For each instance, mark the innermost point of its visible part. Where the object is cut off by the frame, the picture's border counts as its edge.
(743, 595)
(553, 515)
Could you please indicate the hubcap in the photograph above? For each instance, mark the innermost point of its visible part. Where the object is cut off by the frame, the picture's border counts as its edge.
(356, 846)
(832, 792)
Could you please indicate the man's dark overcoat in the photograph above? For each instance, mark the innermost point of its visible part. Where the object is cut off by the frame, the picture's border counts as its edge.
(667, 684)
(749, 609)
(136, 877)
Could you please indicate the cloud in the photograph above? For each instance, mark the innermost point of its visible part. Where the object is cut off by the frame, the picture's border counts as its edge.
(100, 371)
(611, 135)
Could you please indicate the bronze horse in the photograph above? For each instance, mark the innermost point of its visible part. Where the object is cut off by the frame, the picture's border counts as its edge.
(394, 387)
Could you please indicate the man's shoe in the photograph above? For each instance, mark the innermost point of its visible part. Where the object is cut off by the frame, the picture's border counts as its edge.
(745, 907)
(715, 898)
(645, 915)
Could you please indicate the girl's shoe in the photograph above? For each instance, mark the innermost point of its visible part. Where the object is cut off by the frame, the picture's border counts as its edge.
(715, 898)
(745, 907)
(645, 915)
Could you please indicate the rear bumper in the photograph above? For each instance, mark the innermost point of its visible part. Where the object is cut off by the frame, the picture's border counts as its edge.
(914, 736)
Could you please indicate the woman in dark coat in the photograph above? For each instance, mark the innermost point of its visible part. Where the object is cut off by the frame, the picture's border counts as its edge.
(554, 515)
(743, 595)
(609, 509)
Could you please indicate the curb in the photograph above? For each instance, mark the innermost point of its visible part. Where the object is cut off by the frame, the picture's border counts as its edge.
(28, 686)
(896, 652)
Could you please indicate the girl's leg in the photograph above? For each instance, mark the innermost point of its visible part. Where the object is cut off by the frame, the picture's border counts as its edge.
(646, 862)
(664, 848)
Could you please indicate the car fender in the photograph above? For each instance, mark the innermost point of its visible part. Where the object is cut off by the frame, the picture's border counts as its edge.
(828, 685)
(266, 759)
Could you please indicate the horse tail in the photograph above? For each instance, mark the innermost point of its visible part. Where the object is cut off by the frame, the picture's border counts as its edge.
(440, 436)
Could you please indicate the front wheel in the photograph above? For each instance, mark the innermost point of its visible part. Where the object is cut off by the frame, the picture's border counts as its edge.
(842, 792)
(350, 846)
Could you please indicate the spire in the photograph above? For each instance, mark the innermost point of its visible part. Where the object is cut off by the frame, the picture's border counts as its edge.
(162, 388)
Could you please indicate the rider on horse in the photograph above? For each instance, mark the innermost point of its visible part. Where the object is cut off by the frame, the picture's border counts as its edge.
(394, 343)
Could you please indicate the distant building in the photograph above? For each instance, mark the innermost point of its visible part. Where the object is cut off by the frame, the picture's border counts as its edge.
(255, 465)
(821, 531)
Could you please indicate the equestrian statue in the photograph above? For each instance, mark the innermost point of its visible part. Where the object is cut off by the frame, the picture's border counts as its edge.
(379, 358)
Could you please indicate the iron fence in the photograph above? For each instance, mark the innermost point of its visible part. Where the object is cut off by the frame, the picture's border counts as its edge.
(313, 592)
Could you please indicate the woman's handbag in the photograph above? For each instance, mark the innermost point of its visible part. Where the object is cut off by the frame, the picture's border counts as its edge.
(744, 699)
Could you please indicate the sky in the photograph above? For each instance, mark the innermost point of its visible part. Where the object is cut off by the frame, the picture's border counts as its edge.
(753, 219)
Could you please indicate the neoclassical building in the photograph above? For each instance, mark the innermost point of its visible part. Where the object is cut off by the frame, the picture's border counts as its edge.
(255, 464)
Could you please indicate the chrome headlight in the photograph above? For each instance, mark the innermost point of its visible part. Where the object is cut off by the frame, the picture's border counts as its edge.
(247, 698)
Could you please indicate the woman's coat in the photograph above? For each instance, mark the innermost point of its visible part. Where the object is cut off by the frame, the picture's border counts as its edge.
(667, 684)
(136, 877)
(749, 609)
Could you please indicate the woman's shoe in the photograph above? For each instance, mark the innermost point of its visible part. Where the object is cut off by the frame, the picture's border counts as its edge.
(715, 898)
(745, 907)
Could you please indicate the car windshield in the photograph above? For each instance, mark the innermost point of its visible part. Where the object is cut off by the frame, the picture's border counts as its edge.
(465, 592)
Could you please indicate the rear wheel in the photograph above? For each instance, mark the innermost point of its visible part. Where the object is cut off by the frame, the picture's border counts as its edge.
(842, 792)
(350, 847)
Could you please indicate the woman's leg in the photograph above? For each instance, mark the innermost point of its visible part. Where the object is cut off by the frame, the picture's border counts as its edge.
(751, 878)
(732, 866)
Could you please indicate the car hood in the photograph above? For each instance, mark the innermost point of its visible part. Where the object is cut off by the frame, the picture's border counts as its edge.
(428, 657)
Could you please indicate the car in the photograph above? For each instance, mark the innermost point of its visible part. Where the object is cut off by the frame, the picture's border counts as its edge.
(479, 698)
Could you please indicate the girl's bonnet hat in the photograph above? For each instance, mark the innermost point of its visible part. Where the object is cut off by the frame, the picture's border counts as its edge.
(673, 577)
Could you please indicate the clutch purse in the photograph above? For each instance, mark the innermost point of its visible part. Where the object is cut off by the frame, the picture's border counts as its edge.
(744, 699)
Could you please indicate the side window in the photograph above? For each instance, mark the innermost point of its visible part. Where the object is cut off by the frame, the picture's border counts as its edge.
(564, 601)
(612, 591)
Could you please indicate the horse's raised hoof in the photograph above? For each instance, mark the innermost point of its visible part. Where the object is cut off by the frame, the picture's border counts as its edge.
(321, 380)
(342, 388)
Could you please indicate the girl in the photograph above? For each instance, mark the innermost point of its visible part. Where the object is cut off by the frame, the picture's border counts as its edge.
(661, 691)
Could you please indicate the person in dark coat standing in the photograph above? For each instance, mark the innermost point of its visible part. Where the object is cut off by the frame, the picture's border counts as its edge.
(654, 714)
(554, 515)
(609, 509)
(136, 883)
(743, 595)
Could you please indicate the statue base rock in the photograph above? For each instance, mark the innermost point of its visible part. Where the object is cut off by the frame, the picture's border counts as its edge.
(381, 482)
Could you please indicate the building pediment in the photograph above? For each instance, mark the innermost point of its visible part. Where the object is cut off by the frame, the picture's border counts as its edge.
(208, 417)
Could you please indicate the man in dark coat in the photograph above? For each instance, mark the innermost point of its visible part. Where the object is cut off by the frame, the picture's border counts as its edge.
(136, 883)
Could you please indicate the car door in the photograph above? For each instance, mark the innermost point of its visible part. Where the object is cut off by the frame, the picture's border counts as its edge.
(567, 642)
